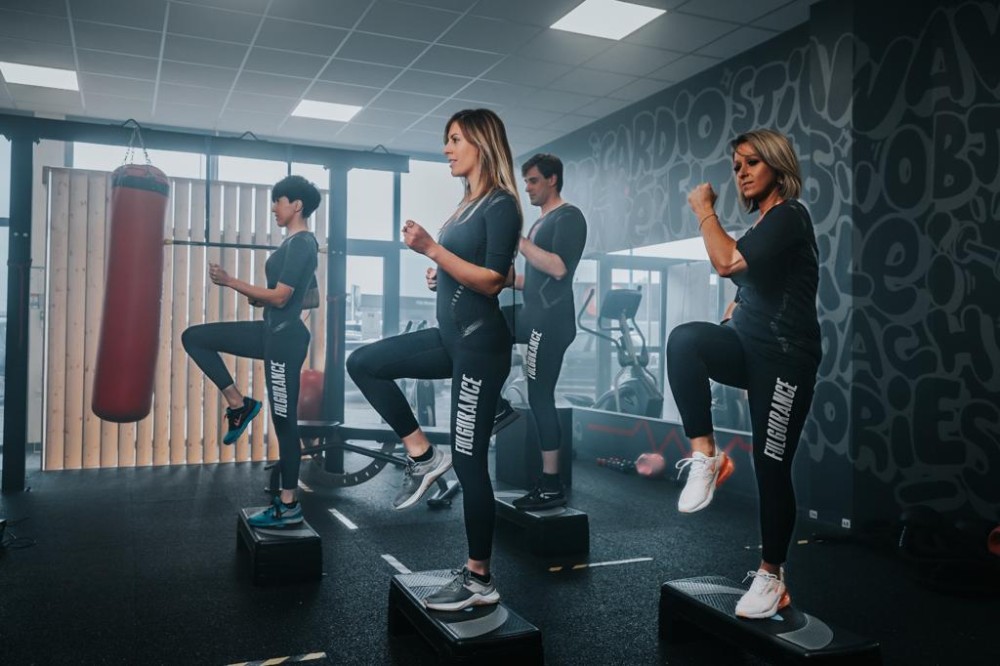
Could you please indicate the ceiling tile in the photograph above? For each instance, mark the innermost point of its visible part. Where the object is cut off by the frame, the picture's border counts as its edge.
(494, 92)
(565, 47)
(380, 50)
(434, 125)
(737, 11)
(218, 78)
(634, 59)
(261, 103)
(605, 106)
(384, 118)
(557, 100)
(529, 118)
(397, 19)
(37, 53)
(190, 95)
(239, 121)
(361, 73)
(452, 60)
(418, 142)
(271, 84)
(681, 32)
(312, 128)
(302, 37)
(683, 68)
(99, 62)
(272, 61)
(428, 83)
(116, 39)
(341, 93)
(477, 32)
(148, 14)
(640, 89)
(248, 6)
(120, 109)
(339, 13)
(195, 50)
(116, 85)
(44, 97)
(403, 101)
(786, 17)
(211, 23)
(591, 82)
(364, 135)
(185, 115)
(47, 7)
(527, 71)
(742, 39)
(532, 12)
(569, 123)
(36, 27)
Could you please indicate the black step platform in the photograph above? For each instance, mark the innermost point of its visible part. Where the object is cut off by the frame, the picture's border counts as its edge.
(547, 533)
(705, 606)
(286, 555)
(478, 635)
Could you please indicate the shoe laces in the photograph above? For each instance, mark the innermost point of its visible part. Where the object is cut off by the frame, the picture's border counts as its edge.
(769, 580)
(696, 466)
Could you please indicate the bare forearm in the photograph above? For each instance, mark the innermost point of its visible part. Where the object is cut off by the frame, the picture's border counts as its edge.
(477, 278)
(729, 311)
(720, 246)
(275, 298)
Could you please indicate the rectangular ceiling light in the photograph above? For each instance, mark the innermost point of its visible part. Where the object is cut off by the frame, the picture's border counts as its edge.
(45, 77)
(308, 108)
(611, 19)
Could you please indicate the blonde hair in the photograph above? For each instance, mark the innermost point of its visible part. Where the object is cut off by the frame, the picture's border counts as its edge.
(776, 151)
(484, 129)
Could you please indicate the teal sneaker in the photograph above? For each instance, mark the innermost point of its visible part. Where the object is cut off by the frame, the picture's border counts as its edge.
(240, 418)
(278, 515)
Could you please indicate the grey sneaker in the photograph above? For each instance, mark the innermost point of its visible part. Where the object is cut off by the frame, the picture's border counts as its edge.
(463, 591)
(418, 477)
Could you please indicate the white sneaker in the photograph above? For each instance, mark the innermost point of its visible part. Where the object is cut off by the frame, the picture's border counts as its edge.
(418, 477)
(705, 474)
(766, 596)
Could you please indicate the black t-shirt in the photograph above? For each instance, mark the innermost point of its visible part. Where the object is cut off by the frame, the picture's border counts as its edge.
(776, 299)
(485, 234)
(561, 231)
(293, 264)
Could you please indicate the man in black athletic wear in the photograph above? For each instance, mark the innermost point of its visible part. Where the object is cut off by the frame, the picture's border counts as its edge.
(768, 344)
(280, 339)
(547, 322)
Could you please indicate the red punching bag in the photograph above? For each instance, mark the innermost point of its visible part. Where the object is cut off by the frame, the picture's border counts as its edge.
(311, 395)
(130, 324)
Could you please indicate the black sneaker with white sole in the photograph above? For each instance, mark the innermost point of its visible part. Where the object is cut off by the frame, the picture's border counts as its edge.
(463, 591)
(504, 416)
(540, 498)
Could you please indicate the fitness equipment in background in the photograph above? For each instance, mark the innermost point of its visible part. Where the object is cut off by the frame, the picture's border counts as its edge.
(637, 393)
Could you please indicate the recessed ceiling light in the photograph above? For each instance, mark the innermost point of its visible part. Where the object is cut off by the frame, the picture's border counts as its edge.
(44, 77)
(308, 108)
(611, 19)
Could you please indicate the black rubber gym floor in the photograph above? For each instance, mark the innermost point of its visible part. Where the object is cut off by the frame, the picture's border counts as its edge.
(140, 566)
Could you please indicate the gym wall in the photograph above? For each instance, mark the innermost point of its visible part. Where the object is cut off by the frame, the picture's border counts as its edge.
(897, 134)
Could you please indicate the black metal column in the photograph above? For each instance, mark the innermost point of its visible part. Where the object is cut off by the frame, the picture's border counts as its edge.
(15, 425)
(336, 289)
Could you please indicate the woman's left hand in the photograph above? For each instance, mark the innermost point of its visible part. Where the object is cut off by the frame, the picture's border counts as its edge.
(417, 238)
(218, 275)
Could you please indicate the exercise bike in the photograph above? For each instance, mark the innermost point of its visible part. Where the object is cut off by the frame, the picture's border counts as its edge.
(637, 393)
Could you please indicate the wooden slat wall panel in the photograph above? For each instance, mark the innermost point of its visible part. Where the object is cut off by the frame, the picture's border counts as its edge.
(186, 422)
(75, 319)
(212, 414)
(97, 452)
(197, 277)
(55, 400)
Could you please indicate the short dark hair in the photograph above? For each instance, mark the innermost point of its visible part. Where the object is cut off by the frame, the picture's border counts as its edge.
(297, 188)
(548, 165)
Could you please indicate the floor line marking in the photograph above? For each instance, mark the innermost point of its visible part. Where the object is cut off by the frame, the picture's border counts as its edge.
(396, 564)
(295, 659)
(343, 519)
(304, 487)
(591, 565)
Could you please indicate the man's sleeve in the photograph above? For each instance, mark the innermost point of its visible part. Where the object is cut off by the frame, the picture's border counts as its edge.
(570, 239)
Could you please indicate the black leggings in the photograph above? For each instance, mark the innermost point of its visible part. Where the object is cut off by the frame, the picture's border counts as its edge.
(548, 335)
(283, 353)
(477, 365)
(780, 396)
